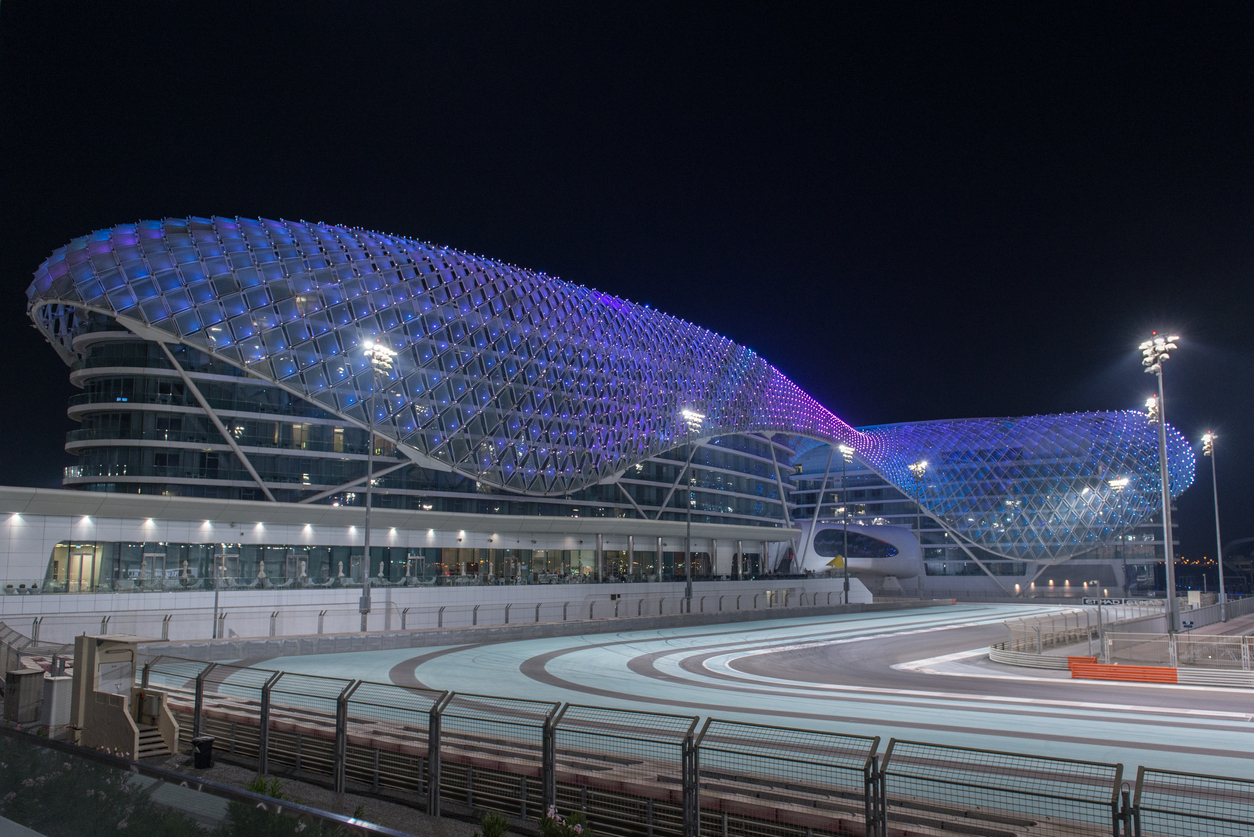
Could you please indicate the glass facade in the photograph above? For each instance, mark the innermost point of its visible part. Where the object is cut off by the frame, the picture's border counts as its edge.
(143, 431)
(132, 567)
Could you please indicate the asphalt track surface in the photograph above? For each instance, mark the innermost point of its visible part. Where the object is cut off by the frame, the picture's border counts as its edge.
(914, 675)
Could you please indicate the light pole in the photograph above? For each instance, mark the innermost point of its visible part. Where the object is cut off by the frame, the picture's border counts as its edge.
(918, 469)
(846, 453)
(1208, 449)
(380, 361)
(1155, 351)
(1118, 485)
(692, 421)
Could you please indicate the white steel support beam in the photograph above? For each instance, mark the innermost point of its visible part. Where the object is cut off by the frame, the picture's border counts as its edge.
(217, 422)
(322, 495)
(814, 521)
(632, 500)
(691, 452)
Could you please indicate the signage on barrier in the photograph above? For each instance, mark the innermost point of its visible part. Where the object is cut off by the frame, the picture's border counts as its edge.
(1118, 601)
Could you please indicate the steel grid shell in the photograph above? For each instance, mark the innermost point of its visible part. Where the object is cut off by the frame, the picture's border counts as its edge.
(533, 384)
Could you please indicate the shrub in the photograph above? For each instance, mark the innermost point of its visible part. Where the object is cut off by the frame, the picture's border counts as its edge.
(493, 825)
(553, 824)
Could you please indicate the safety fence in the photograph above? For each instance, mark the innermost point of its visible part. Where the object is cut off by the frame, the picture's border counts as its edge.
(1037, 634)
(1180, 650)
(237, 621)
(1171, 804)
(640, 774)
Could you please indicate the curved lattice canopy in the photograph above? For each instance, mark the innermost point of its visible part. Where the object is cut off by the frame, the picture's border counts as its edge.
(1039, 487)
(540, 386)
(518, 379)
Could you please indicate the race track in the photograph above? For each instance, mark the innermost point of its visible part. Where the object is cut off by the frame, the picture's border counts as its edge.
(865, 674)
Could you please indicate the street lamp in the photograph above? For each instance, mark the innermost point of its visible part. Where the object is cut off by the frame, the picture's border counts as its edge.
(692, 421)
(1154, 351)
(1208, 449)
(380, 362)
(918, 469)
(1118, 485)
(846, 455)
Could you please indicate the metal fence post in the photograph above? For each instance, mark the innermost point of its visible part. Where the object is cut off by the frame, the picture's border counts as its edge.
(1125, 813)
(538, 611)
(263, 733)
(564, 606)
(591, 605)
(871, 796)
(165, 626)
(434, 723)
(548, 757)
(690, 787)
(1245, 652)
(341, 733)
(274, 618)
(1171, 649)
(507, 607)
(198, 711)
(439, 617)
(474, 615)
(404, 617)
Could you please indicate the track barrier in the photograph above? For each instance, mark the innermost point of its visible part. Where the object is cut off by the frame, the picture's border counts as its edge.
(644, 774)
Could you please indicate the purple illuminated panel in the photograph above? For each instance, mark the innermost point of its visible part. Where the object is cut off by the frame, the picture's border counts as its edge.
(537, 385)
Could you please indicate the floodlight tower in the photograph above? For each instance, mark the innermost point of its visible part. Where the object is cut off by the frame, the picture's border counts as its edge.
(918, 469)
(380, 364)
(692, 421)
(1208, 449)
(846, 455)
(1154, 351)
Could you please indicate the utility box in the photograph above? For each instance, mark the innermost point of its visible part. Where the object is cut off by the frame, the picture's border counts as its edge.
(55, 713)
(1199, 598)
(23, 695)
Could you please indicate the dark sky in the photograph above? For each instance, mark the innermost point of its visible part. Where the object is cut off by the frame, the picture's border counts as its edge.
(914, 211)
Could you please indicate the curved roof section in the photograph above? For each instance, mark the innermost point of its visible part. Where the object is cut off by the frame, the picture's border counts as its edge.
(530, 383)
(1037, 487)
(518, 379)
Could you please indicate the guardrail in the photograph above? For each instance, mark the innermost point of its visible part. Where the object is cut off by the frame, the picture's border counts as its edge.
(270, 620)
(642, 774)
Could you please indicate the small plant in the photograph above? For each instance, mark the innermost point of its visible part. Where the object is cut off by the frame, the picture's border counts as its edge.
(553, 824)
(493, 825)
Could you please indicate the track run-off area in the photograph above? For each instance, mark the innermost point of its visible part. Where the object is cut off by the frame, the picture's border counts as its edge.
(918, 675)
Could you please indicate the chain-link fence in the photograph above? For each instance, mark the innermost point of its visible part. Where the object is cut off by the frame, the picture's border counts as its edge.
(633, 772)
(962, 790)
(1170, 804)
(388, 738)
(1039, 633)
(640, 774)
(492, 753)
(764, 781)
(1182, 650)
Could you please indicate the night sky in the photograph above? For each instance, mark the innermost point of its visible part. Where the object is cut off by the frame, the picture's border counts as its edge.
(916, 212)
